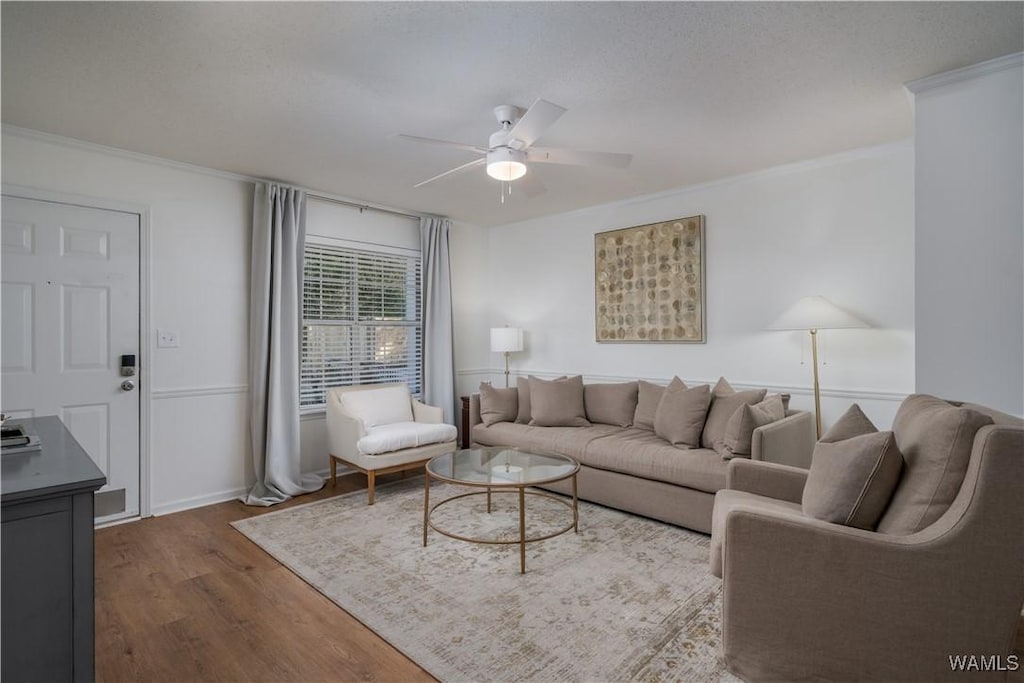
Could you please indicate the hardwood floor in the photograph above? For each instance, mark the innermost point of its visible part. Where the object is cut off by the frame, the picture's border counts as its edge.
(185, 597)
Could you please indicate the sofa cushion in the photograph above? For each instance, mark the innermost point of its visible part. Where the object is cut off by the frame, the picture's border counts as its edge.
(851, 481)
(724, 402)
(680, 416)
(645, 454)
(648, 398)
(523, 387)
(852, 423)
(739, 430)
(399, 435)
(385, 405)
(612, 404)
(557, 402)
(728, 500)
(935, 438)
(998, 417)
(570, 441)
(498, 405)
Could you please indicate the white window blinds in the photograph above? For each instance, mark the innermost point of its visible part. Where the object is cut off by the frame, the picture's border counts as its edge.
(362, 321)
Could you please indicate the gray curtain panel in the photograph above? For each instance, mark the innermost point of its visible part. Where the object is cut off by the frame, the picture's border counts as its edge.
(275, 330)
(438, 350)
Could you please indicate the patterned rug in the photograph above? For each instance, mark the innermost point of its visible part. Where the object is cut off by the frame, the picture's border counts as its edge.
(626, 599)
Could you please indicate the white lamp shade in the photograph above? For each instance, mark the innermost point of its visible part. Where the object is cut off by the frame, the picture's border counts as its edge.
(815, 313)
(506, 339)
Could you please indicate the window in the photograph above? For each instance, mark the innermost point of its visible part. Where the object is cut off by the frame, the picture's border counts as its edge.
(362, 320)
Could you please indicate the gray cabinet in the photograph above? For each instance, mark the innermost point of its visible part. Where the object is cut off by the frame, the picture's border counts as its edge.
(46, 577)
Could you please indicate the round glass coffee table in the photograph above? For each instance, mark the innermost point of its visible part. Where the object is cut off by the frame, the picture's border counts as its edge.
(501, 470)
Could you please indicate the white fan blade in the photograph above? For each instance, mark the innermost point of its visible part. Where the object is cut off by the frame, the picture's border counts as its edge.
(457, 169)
(578, 158)
(446, 143)
(530, 185)
(535, 121)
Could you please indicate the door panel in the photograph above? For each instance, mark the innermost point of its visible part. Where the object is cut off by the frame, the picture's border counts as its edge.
(70, 310)
(86, 322)
(17, 326)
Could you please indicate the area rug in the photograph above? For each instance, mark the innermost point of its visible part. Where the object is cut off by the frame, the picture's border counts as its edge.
(625, 599)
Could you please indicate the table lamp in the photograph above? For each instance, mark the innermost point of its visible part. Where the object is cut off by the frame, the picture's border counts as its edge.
(506, 340)
(815, 313)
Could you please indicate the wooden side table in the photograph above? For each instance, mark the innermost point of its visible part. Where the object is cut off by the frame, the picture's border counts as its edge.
(465, 438)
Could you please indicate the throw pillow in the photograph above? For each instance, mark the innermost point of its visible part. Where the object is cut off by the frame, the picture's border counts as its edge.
(724, 402)
(853, 423)
(379, 405)
(851, 481)
(739, 431)
(648, 398)
(679, 418)
(557, 402)
(523, 387)
(782, 397)
(612, 404)
(497, 405)
(935, 438)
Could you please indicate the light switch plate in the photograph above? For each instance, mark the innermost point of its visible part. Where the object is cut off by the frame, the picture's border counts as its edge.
(167, 339)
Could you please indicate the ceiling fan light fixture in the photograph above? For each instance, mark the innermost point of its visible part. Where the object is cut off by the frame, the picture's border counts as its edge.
(506, 164)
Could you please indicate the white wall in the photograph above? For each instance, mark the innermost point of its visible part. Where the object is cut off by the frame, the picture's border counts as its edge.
(841, 227)
(200, 222)
(970, 234)
(199, 287)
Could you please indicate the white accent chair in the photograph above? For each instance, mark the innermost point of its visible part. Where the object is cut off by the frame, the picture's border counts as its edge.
(380, 428)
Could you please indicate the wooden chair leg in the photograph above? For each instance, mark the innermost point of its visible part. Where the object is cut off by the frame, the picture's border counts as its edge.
(334, 471)
(369, 481)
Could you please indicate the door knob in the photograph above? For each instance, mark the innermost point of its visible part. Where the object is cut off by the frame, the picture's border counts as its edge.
(127, 385)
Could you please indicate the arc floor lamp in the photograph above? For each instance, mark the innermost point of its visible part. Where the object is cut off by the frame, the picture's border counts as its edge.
(813, 313)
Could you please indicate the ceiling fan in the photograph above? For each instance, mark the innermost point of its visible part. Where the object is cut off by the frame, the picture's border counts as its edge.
(510, 149)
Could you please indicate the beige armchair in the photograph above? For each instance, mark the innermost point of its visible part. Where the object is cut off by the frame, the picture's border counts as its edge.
(380, 428)
(805, 599)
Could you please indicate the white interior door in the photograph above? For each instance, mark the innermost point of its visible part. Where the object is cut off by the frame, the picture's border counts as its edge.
(70, 310)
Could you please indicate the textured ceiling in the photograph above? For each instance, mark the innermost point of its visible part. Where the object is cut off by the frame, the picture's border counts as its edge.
(310, 92)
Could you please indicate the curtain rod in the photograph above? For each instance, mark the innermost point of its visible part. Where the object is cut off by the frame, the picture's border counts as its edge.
(361, 207)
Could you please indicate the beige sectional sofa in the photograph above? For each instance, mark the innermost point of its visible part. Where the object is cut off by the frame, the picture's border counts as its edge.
(628, 466)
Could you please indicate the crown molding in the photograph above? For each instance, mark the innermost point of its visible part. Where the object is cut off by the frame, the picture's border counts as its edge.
(781, 170)
(966, 73)
(74, 143)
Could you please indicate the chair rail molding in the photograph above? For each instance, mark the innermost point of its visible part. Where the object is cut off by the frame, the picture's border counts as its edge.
(189, 392)
(797, 390)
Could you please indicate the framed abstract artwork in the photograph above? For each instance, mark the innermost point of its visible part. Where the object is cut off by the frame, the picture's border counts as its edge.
(649, 283)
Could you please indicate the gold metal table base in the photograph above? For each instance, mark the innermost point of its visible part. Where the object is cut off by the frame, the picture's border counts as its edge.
(428, 511)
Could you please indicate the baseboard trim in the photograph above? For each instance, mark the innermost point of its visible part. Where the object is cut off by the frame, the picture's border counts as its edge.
(198, 501)
(225, 496)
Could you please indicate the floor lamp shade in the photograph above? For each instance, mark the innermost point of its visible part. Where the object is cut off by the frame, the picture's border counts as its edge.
(506, 340)
(813, 313)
